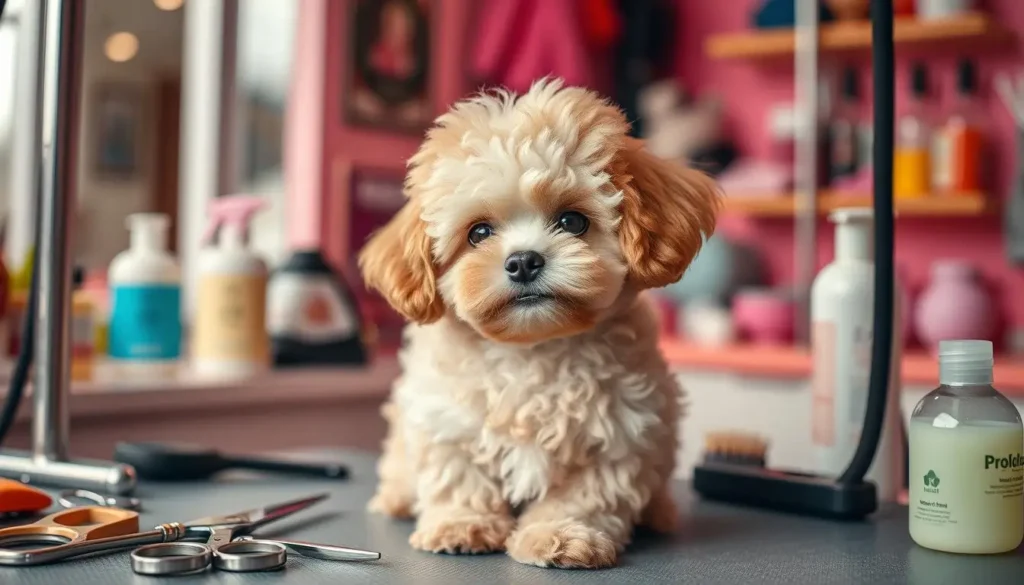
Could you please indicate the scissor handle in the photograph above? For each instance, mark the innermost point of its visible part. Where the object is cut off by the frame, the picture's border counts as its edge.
(170, 558)
(185, 557)
(73, 526)
(68, 497)
(246, 556)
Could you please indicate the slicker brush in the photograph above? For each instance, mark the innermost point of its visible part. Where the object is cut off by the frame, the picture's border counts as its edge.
(735, 447)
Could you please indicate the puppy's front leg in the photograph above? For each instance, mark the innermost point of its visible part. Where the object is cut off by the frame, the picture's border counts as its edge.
(461, 507)
(582, 524)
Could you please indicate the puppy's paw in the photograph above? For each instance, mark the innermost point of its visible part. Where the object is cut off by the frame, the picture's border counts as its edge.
(468, 535)
(391, 503)
(567, 545)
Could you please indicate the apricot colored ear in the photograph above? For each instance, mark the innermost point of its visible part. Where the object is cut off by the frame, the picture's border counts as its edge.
(668, 210)
(397, 262)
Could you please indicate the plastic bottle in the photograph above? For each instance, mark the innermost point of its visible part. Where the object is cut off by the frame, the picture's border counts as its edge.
(912, 161)
(966, 460)
(21, 279)
(145, 297)
(844, 146)
(842, 313)
(229, 335)
(957, 156)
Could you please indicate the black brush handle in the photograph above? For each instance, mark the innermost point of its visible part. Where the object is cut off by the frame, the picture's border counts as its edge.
(329, 470)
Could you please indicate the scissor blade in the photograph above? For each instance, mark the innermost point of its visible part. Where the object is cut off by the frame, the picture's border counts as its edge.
(276, 511)
(260, 516)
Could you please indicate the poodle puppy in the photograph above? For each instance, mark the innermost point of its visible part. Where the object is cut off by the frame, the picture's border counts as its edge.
(534, 413)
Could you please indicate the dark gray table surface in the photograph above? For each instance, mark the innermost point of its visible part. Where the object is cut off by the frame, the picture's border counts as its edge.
(718, 544)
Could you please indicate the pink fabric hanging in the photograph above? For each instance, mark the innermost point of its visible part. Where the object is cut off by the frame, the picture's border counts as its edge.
(535, 38)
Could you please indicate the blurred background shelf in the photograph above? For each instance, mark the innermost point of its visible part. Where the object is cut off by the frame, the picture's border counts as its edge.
(956, 205)
(917, 368)
(972, 28)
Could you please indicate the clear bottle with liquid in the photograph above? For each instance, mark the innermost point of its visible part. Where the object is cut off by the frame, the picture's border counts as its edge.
(912, 162)
(966, 461)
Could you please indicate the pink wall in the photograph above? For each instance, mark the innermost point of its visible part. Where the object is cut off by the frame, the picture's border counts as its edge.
(303, 148)
(347, 148)
(749, 90)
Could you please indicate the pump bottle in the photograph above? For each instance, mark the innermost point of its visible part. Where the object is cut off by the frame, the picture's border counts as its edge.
(229, 335)
(145, 297)
(842, 321)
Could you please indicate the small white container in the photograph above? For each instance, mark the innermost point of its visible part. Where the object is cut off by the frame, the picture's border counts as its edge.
(966, 458)
(842, 322)
(145, 297)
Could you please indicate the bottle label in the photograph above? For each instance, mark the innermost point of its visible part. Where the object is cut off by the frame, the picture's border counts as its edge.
(844, 150)
(311, 309)
(823, 391)
(83, 334)
(145, 322)
(942, 165)
(967, 484)
(230, 321)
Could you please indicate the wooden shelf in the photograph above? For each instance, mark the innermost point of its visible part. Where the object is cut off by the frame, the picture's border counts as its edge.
(971, 28)
(918, 367)
(958, 205)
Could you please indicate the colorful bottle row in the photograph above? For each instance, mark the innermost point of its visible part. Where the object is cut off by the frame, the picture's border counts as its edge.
(243, 319)
(932, 158)
(945, 158)
(229, 335)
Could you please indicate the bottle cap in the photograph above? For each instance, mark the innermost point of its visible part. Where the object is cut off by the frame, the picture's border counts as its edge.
(918, 80)
(850, 214)
(966, 80)
(965, 362)
(148, 230)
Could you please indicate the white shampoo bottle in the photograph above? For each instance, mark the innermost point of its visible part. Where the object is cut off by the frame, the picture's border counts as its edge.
(842, 323)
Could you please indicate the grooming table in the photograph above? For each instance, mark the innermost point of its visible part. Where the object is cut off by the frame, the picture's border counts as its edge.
(718, 544)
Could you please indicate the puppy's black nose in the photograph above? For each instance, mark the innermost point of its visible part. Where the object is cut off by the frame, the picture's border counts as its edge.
(523, 267)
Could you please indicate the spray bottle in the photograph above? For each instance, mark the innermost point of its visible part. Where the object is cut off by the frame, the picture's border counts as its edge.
(842, 316)
(229, 335)
(145, 296)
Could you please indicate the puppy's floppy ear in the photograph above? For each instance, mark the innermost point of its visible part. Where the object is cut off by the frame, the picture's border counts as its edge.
(397, 262)
(667, 212)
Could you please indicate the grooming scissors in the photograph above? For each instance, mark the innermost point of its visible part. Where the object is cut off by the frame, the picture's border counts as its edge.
(94, 529)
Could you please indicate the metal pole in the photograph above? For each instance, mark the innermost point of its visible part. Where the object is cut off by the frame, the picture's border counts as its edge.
(62, 31)
(805, 247)
(60, 35)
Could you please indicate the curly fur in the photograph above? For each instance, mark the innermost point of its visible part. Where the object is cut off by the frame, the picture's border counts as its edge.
(547, 430)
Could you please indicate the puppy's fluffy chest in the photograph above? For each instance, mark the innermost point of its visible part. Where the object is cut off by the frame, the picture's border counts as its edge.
(530, 416)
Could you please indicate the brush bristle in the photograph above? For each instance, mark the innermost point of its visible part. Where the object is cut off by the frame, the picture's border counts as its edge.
(735, 447)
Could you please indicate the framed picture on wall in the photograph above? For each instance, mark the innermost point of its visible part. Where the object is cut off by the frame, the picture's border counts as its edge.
(388, 64)
(375, 196)
(117, 131)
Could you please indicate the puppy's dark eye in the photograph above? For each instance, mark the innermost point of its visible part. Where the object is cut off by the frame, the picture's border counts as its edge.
(479, 232)
(573, 222)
